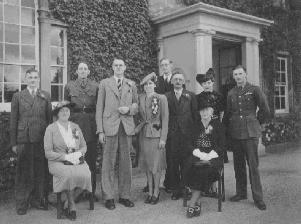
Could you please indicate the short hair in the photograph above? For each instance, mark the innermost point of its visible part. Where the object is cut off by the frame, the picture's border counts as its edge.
(117, 58)
(83, 62)
(178, 71)
(239, 67)
(31, 70)
(163, 59)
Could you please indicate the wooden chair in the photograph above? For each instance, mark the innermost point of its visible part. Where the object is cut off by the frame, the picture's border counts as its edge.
(220, 189)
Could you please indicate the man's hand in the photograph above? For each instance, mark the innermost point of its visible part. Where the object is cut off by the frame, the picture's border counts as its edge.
(102, 138)
(161, 145)
(14, 148)
(123, 110)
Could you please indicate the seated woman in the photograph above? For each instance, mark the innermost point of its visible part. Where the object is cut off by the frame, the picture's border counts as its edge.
(205, 158)
(153, 111)
(65, 148)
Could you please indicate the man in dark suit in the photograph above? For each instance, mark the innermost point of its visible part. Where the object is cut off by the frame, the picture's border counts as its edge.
(163, 84)
(30, 115)
(245, 130)
(182, 107)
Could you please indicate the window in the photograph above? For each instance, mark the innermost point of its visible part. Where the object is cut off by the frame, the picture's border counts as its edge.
(18, 51)
(58, 62)
(281, 86)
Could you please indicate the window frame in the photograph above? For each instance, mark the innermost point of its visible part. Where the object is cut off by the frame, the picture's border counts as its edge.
(286, 95)
(6, 106)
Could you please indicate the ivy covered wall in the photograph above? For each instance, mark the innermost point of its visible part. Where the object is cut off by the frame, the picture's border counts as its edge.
(101, 30)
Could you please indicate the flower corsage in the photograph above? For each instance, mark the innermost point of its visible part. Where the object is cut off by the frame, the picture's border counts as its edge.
(209, 129)
(155, 106)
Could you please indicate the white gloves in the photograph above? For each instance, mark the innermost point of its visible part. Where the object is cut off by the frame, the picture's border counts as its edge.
(73, 157)
(204, 156)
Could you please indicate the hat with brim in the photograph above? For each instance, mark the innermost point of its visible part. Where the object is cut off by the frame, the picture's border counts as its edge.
(202, 104)
(201, 78)
(60, 105)
(151, 76)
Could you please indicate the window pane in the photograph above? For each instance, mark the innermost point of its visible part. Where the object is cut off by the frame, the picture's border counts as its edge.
(282, 103)
(283, 65)
(12, 53)
(283, 78)
(24, 68)
(28, 54)
(1, 52)
(277, 78)
(23, 86)
(28, 35)
(277, 103)
(56, 75)
(1, 14)
(11, 14)
(11, 73)
(57, 56)
(28, 3)
(282, 90)
(11, 33)
(56, 93)
(1, 32)
(57, 37)
(9, 90)
(27, 17)
(277, 91)
(12, 2)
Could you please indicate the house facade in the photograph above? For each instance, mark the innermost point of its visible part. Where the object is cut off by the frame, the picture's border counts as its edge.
(194, 37)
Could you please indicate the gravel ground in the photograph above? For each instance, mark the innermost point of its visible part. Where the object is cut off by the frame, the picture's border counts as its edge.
(281, 178)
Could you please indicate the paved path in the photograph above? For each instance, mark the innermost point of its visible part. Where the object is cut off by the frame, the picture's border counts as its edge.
(281, 177)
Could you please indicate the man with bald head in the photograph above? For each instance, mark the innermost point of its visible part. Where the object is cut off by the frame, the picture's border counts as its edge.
(82, 92)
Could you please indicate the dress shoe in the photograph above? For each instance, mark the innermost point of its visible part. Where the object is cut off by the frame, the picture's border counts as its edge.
(260, 205)
(126, 202)
(190, 212)
(155, 199)
(145, 189)
(42, 205)
(72, 215)
(238, 197)
(21, 211)
(197, 210)
(148, 199)
(176, 195)
(109, 204)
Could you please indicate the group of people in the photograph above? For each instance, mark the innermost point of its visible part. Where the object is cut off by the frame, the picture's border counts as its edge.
(181, 137)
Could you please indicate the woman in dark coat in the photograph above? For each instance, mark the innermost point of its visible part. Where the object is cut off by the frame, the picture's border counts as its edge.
(205, 159)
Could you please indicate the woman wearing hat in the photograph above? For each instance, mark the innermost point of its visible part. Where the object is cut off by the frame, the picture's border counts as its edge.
(153, 127)
(65, 148)
(205, 158)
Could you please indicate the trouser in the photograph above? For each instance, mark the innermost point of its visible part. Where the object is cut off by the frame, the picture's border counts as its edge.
(176, 155)
(90, 157)
(246, 150)
(117, 147)
(31, 174)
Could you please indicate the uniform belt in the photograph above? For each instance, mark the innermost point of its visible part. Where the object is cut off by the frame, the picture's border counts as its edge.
(83, 110)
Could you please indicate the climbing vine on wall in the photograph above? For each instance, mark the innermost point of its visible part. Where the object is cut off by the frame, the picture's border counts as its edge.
(101, 30)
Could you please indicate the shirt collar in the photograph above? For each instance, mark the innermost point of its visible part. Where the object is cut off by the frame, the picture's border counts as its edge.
(30, 89)
(116, 78)
(178, 91)
(168, 76)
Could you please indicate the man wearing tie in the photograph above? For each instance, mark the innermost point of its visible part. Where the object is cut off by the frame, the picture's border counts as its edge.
(117, 103)
(182, 107)
(30, 115)
(163, 84)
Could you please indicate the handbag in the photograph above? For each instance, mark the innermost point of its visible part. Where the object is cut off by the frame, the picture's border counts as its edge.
(81, 161)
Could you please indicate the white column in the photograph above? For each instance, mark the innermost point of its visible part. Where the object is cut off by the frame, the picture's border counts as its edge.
(250, 59)
(203, 53)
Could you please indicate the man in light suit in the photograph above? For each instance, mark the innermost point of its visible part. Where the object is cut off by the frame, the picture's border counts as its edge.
(30, 115)
(117, 103)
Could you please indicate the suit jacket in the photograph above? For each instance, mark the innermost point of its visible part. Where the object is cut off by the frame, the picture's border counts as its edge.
(29, 116)
(109, 100)
(154, 126)
(242, 104)
(182, 113)
(162, 87)
(83, 97)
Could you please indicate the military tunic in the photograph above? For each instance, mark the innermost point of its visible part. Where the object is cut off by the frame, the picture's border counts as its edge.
(83, 93)
(245, 130)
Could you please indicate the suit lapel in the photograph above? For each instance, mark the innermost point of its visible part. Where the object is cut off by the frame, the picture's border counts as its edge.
(113, 86)
(124, 87)
(27, 97)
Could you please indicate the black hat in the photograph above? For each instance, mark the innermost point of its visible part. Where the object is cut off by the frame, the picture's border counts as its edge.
(60, 105)
(201, 78)
(204, 103)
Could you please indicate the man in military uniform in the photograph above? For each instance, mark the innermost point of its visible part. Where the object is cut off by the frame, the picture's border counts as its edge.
(30, 115)
(244, 125)
(82, 92)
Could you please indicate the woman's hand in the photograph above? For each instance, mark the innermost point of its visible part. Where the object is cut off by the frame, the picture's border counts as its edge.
(201, 155)
(102, 138)
(162, 145)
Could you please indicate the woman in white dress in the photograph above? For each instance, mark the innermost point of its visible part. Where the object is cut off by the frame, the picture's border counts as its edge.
(65, 148)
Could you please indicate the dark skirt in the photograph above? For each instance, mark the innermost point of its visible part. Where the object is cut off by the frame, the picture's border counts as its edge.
(201, 177)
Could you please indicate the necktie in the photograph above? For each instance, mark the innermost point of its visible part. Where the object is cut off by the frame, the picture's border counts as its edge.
(119, 84)
(33, 93)
(83, 83)
(178, 95)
